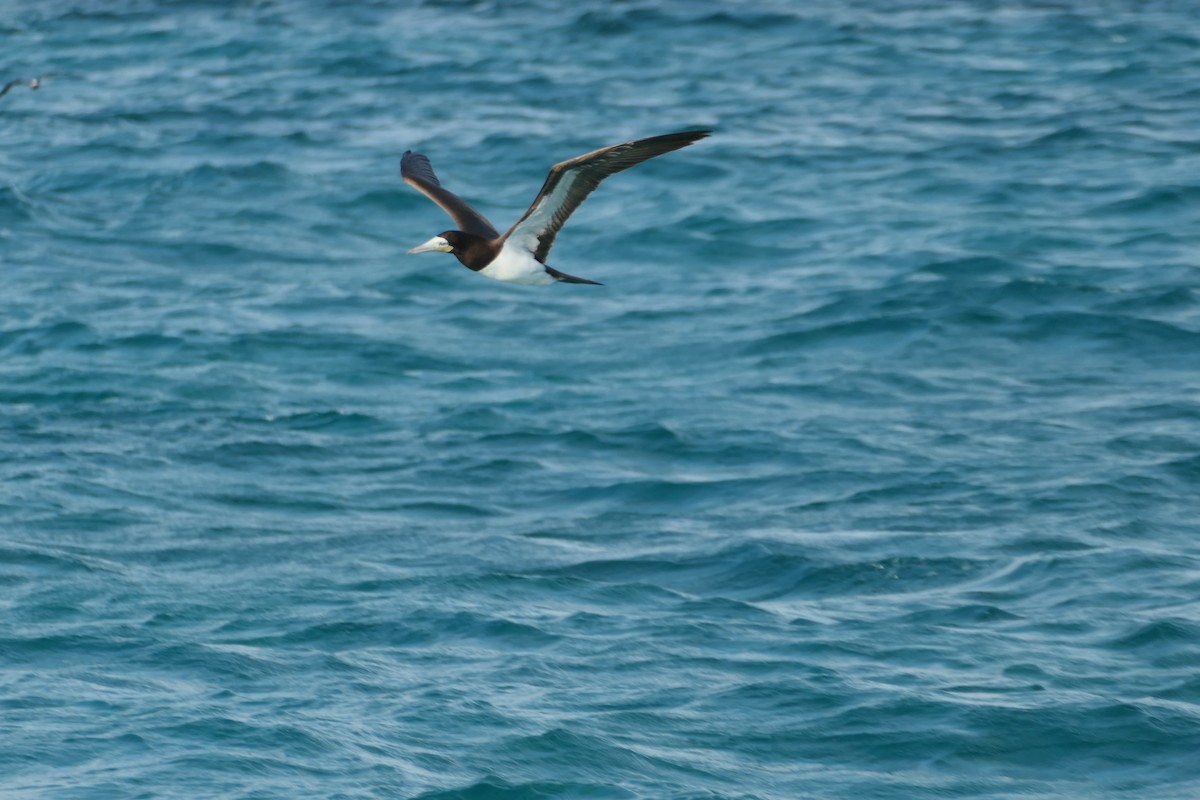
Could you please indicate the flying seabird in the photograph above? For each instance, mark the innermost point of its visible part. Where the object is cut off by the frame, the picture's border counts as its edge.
(32, 83)
(519, 255)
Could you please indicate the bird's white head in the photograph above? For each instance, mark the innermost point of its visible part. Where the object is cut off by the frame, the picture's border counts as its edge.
(437, 244)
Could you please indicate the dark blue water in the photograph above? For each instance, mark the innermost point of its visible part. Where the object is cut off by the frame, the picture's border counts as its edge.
(873, 471)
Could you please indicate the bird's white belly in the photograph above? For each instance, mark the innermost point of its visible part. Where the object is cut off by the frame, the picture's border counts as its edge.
(516, 265)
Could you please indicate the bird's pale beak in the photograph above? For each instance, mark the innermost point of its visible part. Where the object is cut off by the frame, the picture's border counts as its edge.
(435, 245)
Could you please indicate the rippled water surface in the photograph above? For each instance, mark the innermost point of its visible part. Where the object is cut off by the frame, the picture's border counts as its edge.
(872, 471)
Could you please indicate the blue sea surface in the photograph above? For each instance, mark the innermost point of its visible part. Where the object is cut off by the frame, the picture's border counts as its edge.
(872, 471)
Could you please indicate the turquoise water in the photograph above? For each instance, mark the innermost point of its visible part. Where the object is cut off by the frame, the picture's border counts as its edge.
(873, 471)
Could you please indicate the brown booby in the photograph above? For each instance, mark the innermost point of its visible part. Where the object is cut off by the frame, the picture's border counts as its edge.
(519, 255)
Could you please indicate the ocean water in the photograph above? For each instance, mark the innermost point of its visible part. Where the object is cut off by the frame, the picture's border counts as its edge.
(872, 471)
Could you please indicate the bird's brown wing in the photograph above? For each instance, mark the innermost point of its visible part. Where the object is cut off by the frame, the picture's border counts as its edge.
(417, 172)
(570, 182)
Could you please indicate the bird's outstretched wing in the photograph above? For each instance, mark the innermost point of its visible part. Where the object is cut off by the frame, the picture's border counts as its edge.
(417, 172)
(571, 181)
(32, 83)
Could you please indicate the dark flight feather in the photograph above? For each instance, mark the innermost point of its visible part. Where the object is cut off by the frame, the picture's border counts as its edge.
(570, 182)
(418, 173)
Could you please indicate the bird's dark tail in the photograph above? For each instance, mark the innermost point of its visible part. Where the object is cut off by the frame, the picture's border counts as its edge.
(565, 278)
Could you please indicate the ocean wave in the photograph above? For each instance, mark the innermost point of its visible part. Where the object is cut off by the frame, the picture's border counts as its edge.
(1155, 200)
